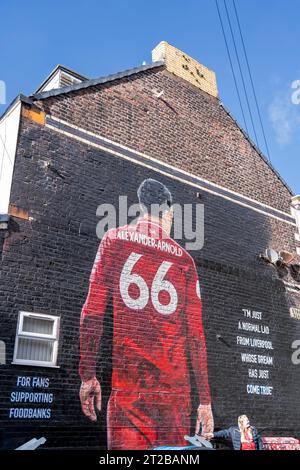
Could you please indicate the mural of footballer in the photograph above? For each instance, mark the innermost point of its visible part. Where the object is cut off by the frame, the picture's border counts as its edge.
(157, 326)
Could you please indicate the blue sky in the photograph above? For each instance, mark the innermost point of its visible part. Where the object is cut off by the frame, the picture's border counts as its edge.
(97, 38)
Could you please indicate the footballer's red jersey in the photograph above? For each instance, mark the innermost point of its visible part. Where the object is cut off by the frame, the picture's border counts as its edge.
(157, 314)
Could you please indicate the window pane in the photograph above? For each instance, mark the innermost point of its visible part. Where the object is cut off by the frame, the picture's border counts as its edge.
(35, 349)
(38, 325)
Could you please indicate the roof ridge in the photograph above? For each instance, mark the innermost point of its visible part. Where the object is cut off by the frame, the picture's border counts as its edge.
(95, 81)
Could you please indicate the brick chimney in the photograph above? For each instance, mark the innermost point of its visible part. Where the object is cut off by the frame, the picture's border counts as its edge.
(184, 66)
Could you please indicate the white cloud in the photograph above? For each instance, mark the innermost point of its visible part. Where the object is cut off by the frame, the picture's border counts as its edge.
(284, 117)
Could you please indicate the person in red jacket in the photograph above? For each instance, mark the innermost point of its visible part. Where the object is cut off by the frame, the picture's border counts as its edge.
(157, 325)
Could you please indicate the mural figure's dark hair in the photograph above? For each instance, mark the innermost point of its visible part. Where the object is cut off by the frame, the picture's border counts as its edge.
(151, 192)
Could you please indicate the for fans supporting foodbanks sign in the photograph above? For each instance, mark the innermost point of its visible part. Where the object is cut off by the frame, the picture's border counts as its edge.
(31, 399)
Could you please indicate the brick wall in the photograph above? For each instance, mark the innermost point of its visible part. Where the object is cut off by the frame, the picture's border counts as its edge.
(46, 260)
(187, 128)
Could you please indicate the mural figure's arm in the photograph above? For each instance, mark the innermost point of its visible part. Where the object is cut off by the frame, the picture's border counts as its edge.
(197, 347)
(91, 328)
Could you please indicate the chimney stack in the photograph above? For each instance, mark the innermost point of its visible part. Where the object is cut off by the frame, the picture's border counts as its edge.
(184, 66)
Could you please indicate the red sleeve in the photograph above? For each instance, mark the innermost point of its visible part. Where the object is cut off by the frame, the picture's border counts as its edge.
(196, 338)
(91, 320)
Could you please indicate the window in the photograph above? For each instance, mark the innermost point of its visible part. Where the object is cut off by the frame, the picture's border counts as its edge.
(36, 340)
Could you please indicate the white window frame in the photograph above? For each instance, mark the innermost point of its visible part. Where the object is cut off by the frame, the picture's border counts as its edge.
(25, 334)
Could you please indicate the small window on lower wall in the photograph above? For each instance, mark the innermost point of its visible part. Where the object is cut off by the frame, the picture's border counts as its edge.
(36, 340)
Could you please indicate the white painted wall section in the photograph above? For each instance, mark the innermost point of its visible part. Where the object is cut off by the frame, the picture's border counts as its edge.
(9, 128)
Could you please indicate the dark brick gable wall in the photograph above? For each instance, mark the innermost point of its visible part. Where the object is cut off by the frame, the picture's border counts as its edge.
(46, 262)
(186, 128)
